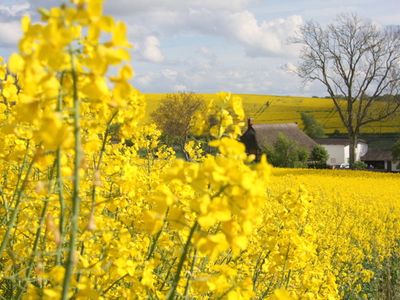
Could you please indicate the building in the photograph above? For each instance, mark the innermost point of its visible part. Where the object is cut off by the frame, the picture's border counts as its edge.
(381, 160)
(259, 136)
(339, 150)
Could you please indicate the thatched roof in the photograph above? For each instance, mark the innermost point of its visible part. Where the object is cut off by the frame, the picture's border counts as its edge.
(377, 155)
(267, 134)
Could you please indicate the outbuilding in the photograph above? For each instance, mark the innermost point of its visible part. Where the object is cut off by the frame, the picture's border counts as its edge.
(381, 160)
(339, 150)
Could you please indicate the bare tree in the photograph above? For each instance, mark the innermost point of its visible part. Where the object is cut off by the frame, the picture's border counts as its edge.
(359, 65)
(175, 116)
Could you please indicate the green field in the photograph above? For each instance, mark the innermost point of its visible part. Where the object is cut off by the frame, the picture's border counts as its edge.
(284, 109)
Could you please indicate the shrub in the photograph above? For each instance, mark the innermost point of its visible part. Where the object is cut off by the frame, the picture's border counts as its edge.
(359, 165)
(286, 153)
(319, 156)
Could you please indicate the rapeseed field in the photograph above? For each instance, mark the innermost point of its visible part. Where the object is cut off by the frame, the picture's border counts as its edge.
(85, 216)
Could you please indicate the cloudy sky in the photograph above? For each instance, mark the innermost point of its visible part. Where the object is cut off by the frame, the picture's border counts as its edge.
(207, 46)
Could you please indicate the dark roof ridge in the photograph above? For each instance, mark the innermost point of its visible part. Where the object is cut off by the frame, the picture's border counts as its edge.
(337, 141)
(276, 124)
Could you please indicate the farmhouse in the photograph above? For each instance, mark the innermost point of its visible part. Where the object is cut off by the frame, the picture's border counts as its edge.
(339, 150)
(258, 136)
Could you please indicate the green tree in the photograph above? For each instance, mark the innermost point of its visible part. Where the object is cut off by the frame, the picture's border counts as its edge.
(319, 156)
(311, 126)
(175, 116)
(396, 150)
(286, 153)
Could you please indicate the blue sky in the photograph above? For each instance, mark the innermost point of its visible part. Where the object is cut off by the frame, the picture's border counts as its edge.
(207, 46)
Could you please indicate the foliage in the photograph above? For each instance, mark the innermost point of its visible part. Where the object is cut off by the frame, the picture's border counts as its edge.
(360, 165)
(176, 113)
(286, 153)
(319, 156)
(396, 150)
(83, 217)
(311, 127)
(175, 117)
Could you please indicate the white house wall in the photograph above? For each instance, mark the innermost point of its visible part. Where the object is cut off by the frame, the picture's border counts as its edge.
(361, 150)
(339, 154)
(347, 153)
(336, 154)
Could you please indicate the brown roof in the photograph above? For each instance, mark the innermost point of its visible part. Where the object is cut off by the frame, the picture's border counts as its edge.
(377, 154)
(267, 134)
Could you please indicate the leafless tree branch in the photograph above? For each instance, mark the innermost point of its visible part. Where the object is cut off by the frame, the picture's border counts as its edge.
(359, 64)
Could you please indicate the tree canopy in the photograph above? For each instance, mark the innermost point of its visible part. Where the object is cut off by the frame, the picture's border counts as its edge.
(175, 116)
(311, 126)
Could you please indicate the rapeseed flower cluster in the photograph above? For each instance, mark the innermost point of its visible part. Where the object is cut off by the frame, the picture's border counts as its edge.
(94, 206)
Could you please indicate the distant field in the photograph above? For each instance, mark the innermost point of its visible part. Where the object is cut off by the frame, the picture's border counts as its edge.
(283, 109)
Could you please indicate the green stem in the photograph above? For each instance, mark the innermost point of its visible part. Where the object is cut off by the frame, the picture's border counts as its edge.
(177, 276)
(11, 223)
(34, 251)
(60, 189)
(113, 284)
(36, 242)
(21, 170)
(96, 169)
(168, 273)
(156, 237)
(97, 165)
(285, 265)
(190, 275)
(76, 183)
(60, 184)
(257, 270)
(267, 290)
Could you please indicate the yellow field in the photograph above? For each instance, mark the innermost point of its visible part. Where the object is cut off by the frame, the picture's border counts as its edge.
(351, 220)
(283, 109)
(83, 217)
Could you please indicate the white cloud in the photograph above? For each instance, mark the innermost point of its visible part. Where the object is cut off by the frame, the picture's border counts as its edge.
(10, 28)
(205, 51)
(263, 38)
(289, 68)
(180, 88)
(150, 49)
(128, 7)
(15, 9)
(257, 37)
(169, 74)
(10, 33)
(144, 79)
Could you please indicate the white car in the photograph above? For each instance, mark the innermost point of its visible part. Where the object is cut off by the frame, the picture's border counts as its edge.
(345, 166)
